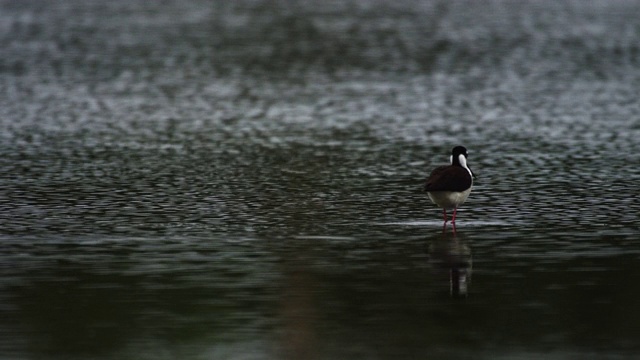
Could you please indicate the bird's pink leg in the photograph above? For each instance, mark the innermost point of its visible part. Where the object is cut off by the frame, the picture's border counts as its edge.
(444, 215)
(453, 221)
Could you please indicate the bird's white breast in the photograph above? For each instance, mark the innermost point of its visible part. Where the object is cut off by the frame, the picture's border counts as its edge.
(449, 199)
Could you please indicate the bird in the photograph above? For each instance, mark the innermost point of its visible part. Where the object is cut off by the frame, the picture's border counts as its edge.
(449, 186)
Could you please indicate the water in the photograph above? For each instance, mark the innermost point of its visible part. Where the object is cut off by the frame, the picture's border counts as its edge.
(241, 180)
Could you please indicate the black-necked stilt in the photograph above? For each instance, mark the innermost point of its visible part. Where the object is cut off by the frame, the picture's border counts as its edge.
(449, 186)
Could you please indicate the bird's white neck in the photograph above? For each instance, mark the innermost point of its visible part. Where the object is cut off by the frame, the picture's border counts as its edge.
(463, 162)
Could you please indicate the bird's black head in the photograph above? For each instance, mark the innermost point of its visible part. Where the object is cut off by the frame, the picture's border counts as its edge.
(459, 150)
(458, 160)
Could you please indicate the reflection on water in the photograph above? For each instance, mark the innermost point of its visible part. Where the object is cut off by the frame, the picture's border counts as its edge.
(196, 179)
(451, 255)
(298, 311)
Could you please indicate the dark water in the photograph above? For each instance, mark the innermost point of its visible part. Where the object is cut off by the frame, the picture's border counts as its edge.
(240, 180)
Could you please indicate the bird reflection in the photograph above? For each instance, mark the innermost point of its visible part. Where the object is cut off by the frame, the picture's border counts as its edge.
(298, 309)
(449, 255)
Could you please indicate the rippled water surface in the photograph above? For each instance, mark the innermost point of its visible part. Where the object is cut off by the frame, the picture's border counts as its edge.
(241, 180)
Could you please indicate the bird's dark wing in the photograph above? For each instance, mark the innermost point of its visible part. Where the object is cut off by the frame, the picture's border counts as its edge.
(448, 178)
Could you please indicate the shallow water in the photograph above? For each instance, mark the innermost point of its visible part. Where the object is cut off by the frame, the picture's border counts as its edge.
(242, 181)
